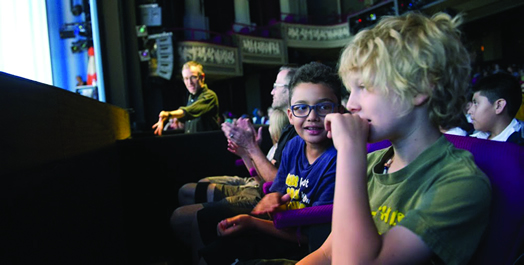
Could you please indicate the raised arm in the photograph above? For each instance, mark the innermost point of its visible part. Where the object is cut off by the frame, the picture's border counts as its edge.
(165, 115)
(242, 153)
(229, 132)
(245, 137)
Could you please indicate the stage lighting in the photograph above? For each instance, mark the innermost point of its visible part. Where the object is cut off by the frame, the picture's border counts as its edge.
(71, 30)
(141, 31)
(79, 46)
(144, 55)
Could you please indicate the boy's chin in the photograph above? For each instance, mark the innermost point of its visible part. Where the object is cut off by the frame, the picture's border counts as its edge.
(374, 138)
(478, 128)
(316, 139)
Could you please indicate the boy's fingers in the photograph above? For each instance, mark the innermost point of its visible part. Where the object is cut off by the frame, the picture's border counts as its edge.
(286, 198)
(327, 123)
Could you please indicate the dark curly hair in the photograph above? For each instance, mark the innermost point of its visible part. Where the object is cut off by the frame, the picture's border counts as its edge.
(316, 73)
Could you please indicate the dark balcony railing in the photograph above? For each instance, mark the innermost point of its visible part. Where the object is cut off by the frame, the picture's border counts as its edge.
(357, 19)
(312, 19)
(269, 31)
(189, 34)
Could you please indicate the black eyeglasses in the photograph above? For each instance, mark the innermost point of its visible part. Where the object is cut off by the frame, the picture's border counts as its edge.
(322, 109)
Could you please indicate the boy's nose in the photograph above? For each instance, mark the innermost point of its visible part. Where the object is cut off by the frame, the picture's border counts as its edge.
(352, 107)
(470, 110)
(352, 104)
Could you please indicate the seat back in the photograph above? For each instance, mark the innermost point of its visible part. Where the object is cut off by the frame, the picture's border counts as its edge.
(502, 163)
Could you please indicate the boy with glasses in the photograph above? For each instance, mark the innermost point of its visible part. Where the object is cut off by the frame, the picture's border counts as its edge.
(306, 177)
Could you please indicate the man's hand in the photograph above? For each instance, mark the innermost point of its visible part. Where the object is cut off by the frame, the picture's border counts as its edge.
(271, 203)
(159, 126)
(227, 127)
(244, 134)
(247, 125)
(259, 136)
(235, 149)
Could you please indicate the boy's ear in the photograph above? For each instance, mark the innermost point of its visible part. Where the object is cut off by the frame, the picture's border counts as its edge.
(420, 99)
(290, 116)
(500, 105)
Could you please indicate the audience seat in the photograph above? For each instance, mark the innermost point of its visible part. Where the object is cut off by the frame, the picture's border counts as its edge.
(502, 163)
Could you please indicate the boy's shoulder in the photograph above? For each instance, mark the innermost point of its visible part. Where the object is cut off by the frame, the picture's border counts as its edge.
(294, 143)
(439, 156)
(517, 137)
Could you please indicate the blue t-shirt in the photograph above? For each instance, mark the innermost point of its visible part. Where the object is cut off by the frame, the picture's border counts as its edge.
(308, 185)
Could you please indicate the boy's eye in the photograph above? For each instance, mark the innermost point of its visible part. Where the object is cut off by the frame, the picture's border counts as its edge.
(324, 106)
(300, 108)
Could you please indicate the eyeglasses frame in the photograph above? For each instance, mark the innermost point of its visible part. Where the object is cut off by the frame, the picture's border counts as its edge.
(311, 107)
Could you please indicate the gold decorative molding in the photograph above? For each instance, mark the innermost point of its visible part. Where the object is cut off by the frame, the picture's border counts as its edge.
(260, 50)
(216, 59)
(313, 36)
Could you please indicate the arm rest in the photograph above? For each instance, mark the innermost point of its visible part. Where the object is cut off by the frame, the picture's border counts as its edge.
(311, 215)
(299, 217)
(266, 186)
(239, 162)
(252, 171)
(306, 216)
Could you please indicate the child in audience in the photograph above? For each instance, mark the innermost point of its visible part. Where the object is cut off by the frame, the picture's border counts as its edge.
(306, 177)
(420, 201)
(496, 101)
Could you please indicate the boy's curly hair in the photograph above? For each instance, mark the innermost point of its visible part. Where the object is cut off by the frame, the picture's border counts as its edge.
(316, 73)
(413, 54)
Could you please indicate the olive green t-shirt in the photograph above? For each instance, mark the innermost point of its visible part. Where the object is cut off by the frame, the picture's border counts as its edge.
(441, 196)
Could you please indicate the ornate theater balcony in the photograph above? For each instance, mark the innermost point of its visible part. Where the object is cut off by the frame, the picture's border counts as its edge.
(224, 54)
(313, 36)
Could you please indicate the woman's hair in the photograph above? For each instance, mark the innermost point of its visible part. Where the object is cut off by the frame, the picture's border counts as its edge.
(413, 54)
(278, 120)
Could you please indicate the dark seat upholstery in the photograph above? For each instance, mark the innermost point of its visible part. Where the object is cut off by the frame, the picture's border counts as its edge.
(502, 163)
